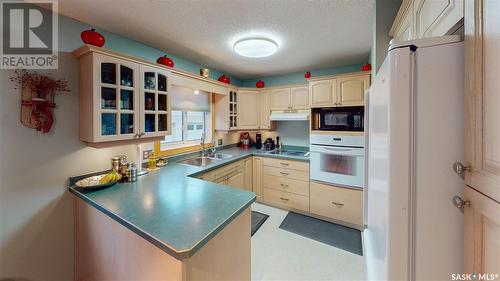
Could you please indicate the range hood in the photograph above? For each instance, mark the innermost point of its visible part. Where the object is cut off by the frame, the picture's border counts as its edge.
(289, 115)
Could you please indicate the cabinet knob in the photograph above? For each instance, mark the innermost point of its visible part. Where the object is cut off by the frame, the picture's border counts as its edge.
(460, 168)
(460, 203)
(284, 174)
(284, 199)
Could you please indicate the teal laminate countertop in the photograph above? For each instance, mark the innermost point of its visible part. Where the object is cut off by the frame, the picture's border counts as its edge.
(173, 210)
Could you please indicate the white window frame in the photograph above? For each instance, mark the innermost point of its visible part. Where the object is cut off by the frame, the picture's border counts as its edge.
(185, 143)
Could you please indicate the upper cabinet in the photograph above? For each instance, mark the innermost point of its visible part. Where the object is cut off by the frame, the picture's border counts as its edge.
(427, 18)
(347, 90)
(265, 109)
(121, 99)
(280, 99)
(155, 102)
(299, 97)
(226, 110)
(351, 90)
(289, 98)
(249, 117)
(323, 93)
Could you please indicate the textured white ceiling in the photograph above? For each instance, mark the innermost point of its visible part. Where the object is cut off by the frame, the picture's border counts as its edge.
(310, 34)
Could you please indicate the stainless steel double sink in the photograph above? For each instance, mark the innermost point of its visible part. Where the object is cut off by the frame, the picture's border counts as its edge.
(206, 160)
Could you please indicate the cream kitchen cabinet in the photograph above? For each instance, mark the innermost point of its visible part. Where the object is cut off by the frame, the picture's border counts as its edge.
(290, 98)
(122, 99)
(340, 90)
(280, 99)
(351, 90)
(323, 93)
(236, 180)
(286, 183)
(249, 112)
(232, 174)
(265, 109)
(257, 177)
(226, 110)
(427, 18)
(249, 174)
(338, 203)
(299, 97)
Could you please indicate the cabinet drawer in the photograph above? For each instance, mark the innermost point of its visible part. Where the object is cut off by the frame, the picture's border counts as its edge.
(287, 185)
(336, 202)
(286, 173)
(286, 200)
(288, 164)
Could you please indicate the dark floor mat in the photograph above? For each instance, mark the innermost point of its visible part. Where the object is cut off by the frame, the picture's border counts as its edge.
(333, 234)
(258, 220)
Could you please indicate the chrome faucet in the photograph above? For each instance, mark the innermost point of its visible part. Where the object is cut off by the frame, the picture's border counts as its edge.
(202, 144)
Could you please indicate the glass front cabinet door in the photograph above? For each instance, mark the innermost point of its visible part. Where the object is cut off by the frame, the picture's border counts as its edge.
(122, 99)
(116, 99)
(155, 102)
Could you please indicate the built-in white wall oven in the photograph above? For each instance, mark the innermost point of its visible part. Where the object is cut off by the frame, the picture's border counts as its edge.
(338, 159)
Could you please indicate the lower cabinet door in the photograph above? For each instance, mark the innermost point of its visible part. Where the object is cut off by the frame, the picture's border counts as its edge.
(339, 203)
(286, 200)
(237, 180)
(481, 233)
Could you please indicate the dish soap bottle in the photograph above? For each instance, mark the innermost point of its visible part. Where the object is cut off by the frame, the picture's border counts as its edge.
(152, 161)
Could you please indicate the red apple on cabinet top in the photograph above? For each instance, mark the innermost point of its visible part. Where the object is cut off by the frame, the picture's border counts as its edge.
(165, 61)
(93, 37)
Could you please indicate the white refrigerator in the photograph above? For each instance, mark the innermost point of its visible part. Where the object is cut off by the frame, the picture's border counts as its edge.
(415, 134)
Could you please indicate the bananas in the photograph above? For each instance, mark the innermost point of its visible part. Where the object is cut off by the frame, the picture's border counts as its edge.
(112, 176)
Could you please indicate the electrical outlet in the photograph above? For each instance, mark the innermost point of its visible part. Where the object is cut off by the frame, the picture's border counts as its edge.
(219, 142)
(146, 154)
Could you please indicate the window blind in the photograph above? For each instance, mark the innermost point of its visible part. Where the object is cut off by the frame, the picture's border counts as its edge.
(185, 99)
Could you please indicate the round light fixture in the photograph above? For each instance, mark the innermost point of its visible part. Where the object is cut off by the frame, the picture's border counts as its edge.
(255, 47)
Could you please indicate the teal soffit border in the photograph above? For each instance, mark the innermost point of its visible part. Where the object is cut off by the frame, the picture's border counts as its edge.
(69, 40)
(298, 77)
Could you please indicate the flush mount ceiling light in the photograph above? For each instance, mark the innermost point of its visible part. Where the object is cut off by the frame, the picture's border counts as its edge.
(255, 47)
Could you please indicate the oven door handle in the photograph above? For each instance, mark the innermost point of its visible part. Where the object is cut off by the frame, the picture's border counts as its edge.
(338, 150)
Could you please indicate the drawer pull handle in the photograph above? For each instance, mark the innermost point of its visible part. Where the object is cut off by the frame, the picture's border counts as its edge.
(284, 174)
(284, 185)
(284, 164)
(338, 205)
(284, 199)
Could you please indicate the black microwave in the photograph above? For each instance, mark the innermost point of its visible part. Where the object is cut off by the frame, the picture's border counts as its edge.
(341, 118)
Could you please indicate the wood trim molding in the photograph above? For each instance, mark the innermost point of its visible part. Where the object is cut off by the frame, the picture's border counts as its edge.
(349, 74)
(85, 49)
(403, 10)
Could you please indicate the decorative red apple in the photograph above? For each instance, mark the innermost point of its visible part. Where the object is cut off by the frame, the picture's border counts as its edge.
(366, 67)
(307, 75)
(165, 61)
(259, 84)
(92, 37)
(225, 79)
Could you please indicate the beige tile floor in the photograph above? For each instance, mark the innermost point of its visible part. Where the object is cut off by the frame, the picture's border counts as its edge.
(281, 255)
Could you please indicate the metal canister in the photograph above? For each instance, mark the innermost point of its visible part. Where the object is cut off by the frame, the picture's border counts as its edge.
(123, 165)
(131, 172)
(205, 72)
(115, 163)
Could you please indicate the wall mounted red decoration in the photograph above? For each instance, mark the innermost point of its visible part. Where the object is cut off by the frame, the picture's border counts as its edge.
(259, 84)
(37, 98)
(165, 61)
(93, 37)
(366, 67)
(307, 75)
(225, 79)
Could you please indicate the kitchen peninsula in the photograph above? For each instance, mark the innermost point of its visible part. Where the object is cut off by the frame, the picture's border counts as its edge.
(165, 226)
(169, 225)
